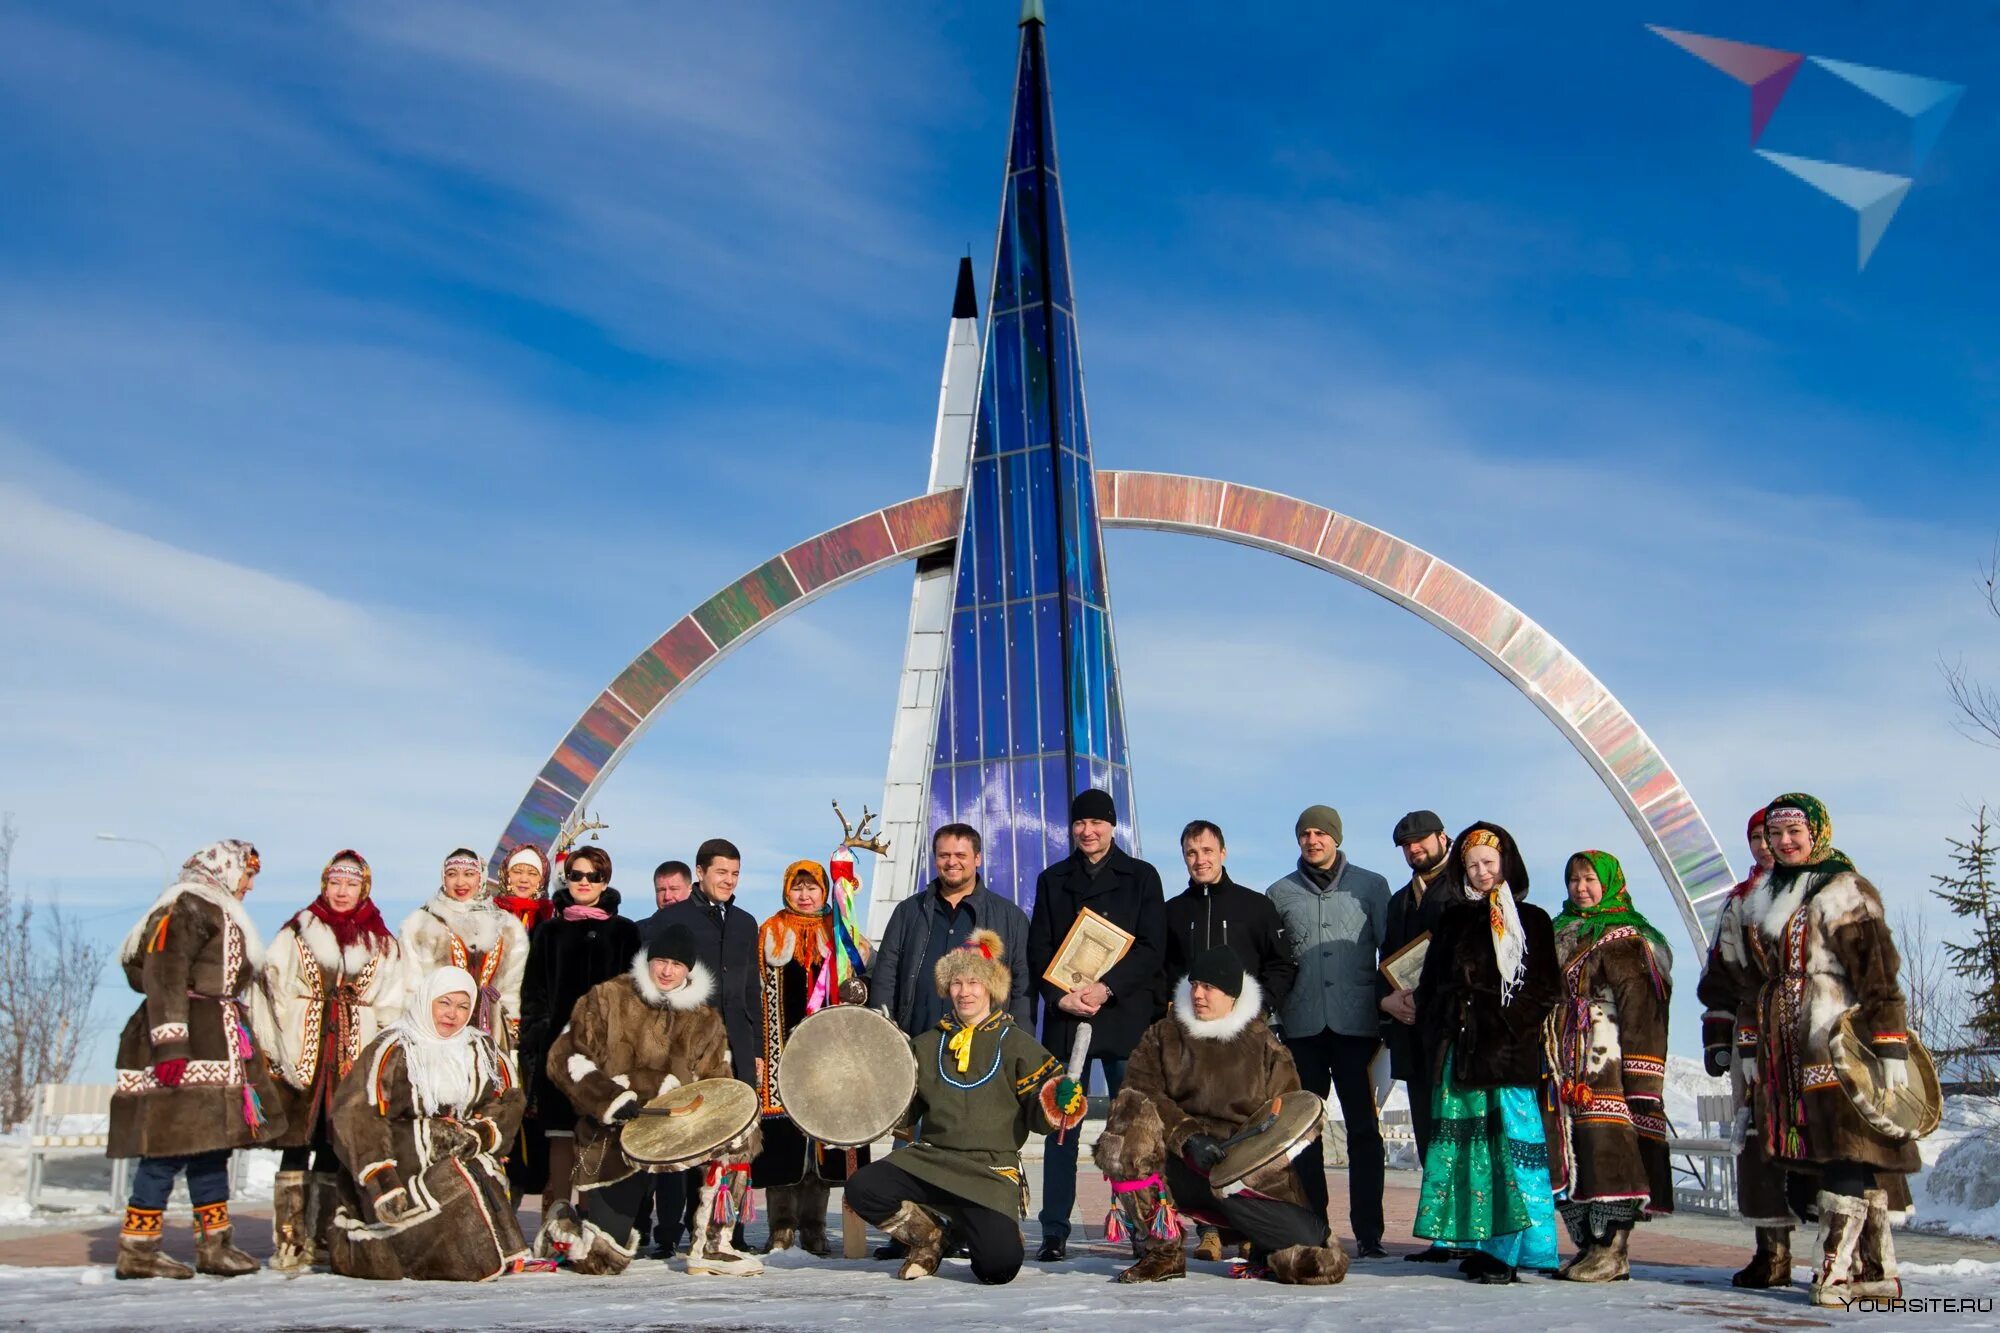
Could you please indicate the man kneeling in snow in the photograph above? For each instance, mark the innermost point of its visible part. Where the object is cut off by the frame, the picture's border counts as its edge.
(1199, 1075)
(629, 1040)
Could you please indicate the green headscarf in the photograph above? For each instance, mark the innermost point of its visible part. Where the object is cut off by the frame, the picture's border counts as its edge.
(1612, 910)
(1826, 858)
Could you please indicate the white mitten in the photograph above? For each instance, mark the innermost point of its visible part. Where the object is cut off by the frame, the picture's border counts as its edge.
(1895, 1074)
(1749, 1067)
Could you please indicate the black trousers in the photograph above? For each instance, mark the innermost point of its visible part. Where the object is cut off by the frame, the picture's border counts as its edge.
(1423, 1115)
(992, 1238)
(1329, 1061)
(1270, 1225)
(614, 1209)
(667, 1211)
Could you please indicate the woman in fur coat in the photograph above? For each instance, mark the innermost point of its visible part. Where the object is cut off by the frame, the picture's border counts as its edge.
(1203, 1073)
(193, 1083)
(460, 927)
(630, 1039)
(1489, 981)
(1608, 1047)
(1825, 947)
(420, 1124)
(335, 979)
(585, 942)
(796, 945)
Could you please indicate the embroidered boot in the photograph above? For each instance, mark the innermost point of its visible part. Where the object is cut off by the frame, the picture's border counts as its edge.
(1309, 1265)
(291, 1237)
(1771, 1266)
(562, 1232)
(922, 1235)
(724, 1192)
(810, 1207)
(1607, 1261)
(1842, 1218)
(596, 1254)
(1876, 1275)
(1154, 1230)
(139, 1253)
(214, 1250)
(783, 1204)
(322, 1199)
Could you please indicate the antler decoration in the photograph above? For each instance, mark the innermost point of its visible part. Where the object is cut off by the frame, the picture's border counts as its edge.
(858, 836)
(569, 836)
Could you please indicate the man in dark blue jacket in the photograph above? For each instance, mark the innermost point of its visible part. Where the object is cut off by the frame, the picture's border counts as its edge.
(926, 926)
(1121, 1005)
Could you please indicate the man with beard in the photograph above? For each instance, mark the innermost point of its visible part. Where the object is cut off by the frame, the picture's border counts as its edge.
(1426, 849)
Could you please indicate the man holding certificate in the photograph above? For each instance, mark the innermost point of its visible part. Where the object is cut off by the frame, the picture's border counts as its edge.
(1096, 945)
(1413, 911)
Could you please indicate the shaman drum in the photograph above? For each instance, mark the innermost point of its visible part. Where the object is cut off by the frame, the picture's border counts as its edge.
(846, 1076)
(1911, 1111)
(1282, 1132)
(685, 1126)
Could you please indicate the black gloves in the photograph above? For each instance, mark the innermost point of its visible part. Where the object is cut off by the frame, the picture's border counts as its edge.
(1202, 1152)
(625, 1111)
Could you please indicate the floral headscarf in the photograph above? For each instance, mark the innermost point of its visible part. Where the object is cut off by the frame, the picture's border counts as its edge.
(1510, 941)
(1826, 859)
(1614, 909)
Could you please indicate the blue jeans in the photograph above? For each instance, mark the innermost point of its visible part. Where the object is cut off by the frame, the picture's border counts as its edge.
(207, 1173)
(1059, 1157)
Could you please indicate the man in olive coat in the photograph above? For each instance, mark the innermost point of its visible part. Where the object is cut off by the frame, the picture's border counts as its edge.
(1119, 1006)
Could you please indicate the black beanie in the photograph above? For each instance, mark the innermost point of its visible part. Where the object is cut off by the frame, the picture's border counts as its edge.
(1093, 804)
(675, 942)
(1220, 968)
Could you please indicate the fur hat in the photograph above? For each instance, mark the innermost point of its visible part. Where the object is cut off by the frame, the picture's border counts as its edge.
(980, 958)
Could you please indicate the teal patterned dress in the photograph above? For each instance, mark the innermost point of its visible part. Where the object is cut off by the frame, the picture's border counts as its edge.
(1486, 1176)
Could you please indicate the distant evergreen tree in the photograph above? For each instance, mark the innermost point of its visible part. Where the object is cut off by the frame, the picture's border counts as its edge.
(1974, 895)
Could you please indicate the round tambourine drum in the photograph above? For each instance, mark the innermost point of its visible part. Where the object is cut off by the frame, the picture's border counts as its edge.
(685, 1126)
(1909, 1111)
(846, 1076)
(1284, 1130)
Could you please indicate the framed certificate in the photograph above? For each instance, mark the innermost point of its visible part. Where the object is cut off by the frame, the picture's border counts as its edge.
(1092, 948)
(1404, 966)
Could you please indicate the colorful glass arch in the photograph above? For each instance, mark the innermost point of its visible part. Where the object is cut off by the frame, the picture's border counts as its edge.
(1527, 656)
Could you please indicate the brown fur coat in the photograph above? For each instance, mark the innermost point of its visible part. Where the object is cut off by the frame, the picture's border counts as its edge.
(1610, 1045)
(628, 1040)
(195, 958)
(1201, 1076)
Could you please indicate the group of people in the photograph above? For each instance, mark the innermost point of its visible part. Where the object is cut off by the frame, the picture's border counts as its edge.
(421, 1084)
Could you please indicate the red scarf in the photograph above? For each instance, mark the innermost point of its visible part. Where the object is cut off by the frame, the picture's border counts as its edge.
(363, 924)
(530, 912)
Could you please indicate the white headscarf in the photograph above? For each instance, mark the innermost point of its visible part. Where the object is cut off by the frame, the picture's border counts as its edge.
(1510, 943)
(446, 1073)
(212, 873)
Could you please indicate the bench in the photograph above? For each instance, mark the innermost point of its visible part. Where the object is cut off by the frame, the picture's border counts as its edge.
(1705, 1182)
(50, 1130)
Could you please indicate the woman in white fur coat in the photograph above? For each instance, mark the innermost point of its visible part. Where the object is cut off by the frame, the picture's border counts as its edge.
(460, 927)
(334, 978)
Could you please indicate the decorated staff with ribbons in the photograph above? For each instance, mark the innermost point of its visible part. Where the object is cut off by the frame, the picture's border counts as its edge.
(630, 1040)
(1830, 1073)
(1608, 1055)
(1731, 982)
(1489, 981)
(420, 1123)
(460, 927)
(335, 979)
(983, 1085)
(192, 1082)
(813, 958)
(1209, 1073)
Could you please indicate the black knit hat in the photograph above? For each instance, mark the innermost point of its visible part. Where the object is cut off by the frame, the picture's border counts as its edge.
(675, 942)
(1093, 804)
(1220, 968)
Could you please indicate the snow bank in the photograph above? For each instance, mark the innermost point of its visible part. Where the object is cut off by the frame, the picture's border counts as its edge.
(1959, 1190)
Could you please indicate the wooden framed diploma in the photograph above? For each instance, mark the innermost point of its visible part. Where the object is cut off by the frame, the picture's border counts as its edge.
(1092, 948)
(1404, 966)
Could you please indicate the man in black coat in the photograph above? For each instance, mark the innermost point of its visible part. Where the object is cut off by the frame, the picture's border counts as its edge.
(1121, 1005)
(926, 926)
(725, 939)
(1217, 912)
(1413, 912)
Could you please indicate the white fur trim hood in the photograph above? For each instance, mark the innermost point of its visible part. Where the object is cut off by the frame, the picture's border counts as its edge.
(1231, 1025)
(230, 905)
(696, 991)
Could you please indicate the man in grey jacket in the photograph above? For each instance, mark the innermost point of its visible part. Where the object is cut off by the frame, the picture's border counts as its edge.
(1336, 914)
(927, 925)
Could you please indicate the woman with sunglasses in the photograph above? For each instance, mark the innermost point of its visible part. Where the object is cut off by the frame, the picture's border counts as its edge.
(585, 942)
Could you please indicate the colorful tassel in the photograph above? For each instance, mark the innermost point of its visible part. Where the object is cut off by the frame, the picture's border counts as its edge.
(1166, 1221)
(1114, 1226)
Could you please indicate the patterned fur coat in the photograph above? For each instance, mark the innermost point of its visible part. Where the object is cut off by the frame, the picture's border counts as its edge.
(195, 958)
(1609, 1049)
(629, 1040)
(326, 1003)
(485, 941)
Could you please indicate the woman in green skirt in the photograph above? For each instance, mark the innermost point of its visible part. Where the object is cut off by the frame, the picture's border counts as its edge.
(1489, 982)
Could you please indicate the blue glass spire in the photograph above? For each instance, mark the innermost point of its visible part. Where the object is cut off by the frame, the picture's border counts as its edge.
(1031, 711)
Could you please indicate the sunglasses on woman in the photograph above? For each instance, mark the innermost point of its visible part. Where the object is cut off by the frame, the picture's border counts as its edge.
(583, 877)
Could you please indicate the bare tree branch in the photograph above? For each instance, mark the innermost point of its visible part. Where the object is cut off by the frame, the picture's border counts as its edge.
(48, 978)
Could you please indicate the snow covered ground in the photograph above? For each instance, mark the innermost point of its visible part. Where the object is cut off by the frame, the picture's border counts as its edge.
(1965, 1119)
(801, 1293)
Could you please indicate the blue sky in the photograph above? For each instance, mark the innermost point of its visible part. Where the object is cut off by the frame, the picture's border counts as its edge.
(376, 379)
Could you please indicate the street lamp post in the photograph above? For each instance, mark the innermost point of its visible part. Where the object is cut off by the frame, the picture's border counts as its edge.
(165, 867)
